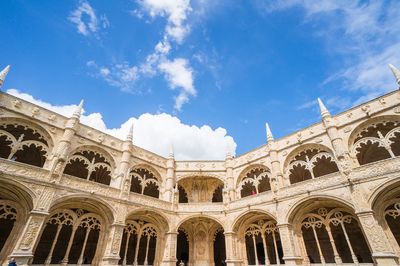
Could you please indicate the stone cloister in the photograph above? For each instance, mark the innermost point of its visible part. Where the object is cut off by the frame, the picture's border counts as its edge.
(328, 194)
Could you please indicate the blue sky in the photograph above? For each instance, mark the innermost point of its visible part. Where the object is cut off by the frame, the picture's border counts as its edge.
(200, 74)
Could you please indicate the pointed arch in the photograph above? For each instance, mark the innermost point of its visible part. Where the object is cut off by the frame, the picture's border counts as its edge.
(253, 179)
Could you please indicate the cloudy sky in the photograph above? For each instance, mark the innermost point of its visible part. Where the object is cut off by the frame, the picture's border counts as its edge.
(204, 75)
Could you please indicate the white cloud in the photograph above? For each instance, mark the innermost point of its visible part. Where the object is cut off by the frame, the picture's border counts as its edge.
(175, 11)
(122, 76)
(368, 32)
(85, 19)
(156, 132)
(179, 75)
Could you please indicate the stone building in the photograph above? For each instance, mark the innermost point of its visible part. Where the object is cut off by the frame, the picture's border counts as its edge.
(328, 194)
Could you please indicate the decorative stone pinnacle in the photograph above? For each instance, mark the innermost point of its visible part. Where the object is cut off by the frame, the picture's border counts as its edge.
(322, 108)
(269, 133)
(228, 153)
(78, 110)
(129, 137)
(171, 151)
(396, 73)
(3, 74)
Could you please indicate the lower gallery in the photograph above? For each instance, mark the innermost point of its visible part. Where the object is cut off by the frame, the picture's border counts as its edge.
(328, 194)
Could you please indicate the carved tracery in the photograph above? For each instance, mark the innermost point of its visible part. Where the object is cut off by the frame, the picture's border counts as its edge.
(333, 236)
(89, 165)
(310, 164)
(144, 181)
(263, 244)
(70, 236)
(378, 141)
(392, 214)
(8, 216)
(254, 181)
(139, 243)
(23, 144)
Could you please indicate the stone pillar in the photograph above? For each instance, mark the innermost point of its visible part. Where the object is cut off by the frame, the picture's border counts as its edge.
(277, 179)
(113, 244)
(121, 178)
(381, 251)
(287, 240)
(23, 251)
(169, 258)
(170, 179)
(231, 249)
(62, 150)
(230, 181)
(344, 160)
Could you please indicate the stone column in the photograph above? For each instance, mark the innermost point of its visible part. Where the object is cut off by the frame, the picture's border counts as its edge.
(230, 181)
(344, 160)
(381, 251)
(277, 180)
(231, 248)
(170, 179)
(113, 244)
(121, 179)
(169, 258)
(23, 251)
(287, 240)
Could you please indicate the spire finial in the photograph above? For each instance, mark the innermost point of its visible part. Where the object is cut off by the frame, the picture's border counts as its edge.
(171, 151)
(3, 74)
(129, 137)
(270, 137)
(322, 108)
(78, 110)
(396, 73)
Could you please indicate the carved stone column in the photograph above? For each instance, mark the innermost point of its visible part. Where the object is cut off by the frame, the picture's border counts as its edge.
(277, 180)
(229, 178)
(23, 251)
(231, 249)
(170, 179)
(113, 244)
(169, 258)
(381, 250)
(289, 252)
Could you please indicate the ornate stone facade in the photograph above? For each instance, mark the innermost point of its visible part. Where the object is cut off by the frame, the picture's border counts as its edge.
(327, 194)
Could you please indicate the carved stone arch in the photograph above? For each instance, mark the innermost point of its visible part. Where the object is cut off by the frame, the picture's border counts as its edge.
(200, 187)
(90, 163)
(384, 192)
(253, 179)
(375, 139)
(249, 216)
(18, 192)
(294, 214)
(159, 219)
(106, 154)
(28, 123)
(145, 180)
(152, 169)
(309, 161)
(90, 203)
(202, 174)
(25, 141)
(195, 216)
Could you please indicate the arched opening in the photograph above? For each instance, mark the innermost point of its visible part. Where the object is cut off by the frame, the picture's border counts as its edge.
(16, 202)
(254, 180)
(377, 140)
(182, 195)
(310, 163)
(89, 165)
(259, 239)
(144, 181)
(217, 196)
(204, 244)
(329, 232)
(141, 239)
(200, 189)
(74, 232)
(23, 144)
(182, 250)
(70, 236)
